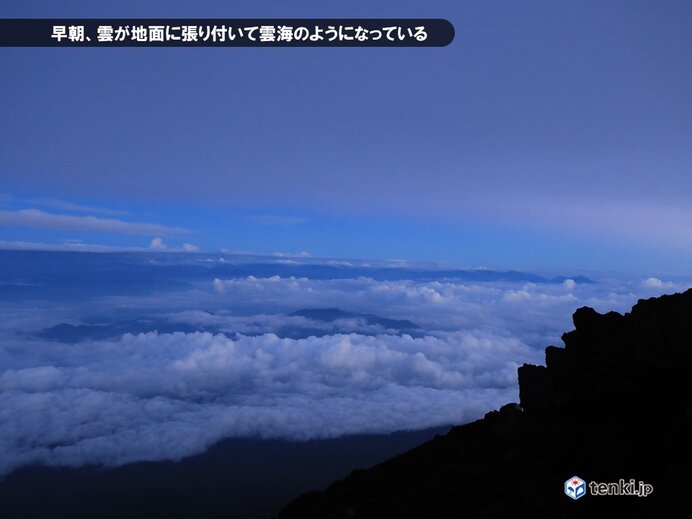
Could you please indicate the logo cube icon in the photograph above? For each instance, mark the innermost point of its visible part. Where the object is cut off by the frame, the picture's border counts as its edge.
(575, 487)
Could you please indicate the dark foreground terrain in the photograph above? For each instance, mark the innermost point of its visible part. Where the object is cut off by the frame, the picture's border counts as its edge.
(614, 403)
(237, 478)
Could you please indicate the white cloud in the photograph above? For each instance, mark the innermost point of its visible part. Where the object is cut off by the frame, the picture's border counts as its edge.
(164, 396)
(535, 313)
(656, 283)
(188, 247)
(569, 284)
(153, 396)
(157, 244)
(302, 254)
(44, 220)
(339, 263)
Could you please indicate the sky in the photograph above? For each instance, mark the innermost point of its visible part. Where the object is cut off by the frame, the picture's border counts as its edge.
(547, 135)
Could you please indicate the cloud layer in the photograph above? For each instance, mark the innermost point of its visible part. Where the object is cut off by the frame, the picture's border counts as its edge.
(156, 395)
(44, 220)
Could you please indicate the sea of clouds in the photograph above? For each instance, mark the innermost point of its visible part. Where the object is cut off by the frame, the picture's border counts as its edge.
(155, 396)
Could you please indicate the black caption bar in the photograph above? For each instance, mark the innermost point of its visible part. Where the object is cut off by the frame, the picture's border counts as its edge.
(225, 33)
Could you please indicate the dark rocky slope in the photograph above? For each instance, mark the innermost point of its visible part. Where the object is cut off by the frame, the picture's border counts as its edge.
(614, 403)
(238, 478)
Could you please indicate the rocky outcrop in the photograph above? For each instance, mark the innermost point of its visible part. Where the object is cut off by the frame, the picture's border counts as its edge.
(614, 403)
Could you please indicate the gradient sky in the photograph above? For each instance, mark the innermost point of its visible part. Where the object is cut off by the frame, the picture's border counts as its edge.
(549, 134)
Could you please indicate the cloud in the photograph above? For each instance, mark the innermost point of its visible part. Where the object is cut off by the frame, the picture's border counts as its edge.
(78, 246)
(157, 244)
(44, 220)
(65, 246)
(154, 396)
(302, 254)
(278, 220)
(535, 313)
(78, 208)
(569, 284)
(286, 262)
(339, 263)
(656, 283)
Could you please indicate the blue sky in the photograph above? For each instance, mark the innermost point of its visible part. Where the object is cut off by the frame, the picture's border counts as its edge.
(547, 135)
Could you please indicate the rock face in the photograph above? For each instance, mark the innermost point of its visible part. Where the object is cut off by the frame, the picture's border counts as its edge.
(614, 403)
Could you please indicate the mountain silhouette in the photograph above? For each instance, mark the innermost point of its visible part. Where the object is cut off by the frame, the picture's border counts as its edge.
(615, 403)
(334, 314)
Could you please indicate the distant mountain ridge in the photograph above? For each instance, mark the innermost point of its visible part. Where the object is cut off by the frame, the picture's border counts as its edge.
(47, 274)
(73, 333)
(333, 314)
